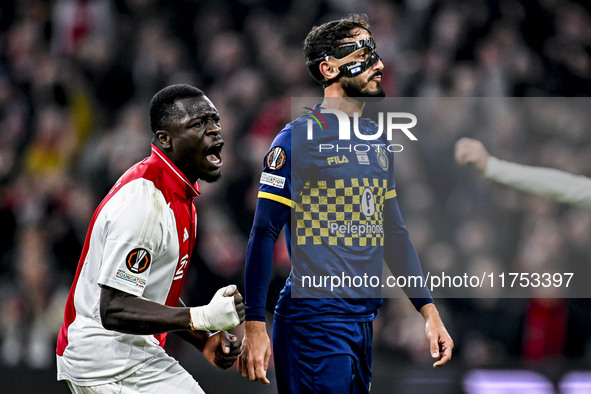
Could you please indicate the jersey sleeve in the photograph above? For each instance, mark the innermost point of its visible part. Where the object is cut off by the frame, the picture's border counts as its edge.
(271, 215)
(546, 182)
(275, 181)
(134, 230)
(269, 219)
(399, 252)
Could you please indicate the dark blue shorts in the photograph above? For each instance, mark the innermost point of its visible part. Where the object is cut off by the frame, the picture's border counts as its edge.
(319, 358)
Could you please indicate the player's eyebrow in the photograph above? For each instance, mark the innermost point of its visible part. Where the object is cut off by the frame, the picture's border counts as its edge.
(204, 115)
(201, 116)
(197, 113)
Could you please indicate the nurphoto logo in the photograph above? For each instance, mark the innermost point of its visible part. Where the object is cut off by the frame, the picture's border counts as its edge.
(345, 129)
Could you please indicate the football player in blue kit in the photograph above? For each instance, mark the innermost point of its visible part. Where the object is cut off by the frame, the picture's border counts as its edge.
(341, 219)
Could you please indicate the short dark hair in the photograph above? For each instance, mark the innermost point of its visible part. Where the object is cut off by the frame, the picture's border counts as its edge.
(162, 107)
(323, 38)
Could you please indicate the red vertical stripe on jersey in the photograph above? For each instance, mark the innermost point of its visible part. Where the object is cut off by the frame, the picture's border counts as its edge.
(184, 211)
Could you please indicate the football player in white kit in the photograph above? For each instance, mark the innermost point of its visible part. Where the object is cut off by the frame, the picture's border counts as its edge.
(126, 293)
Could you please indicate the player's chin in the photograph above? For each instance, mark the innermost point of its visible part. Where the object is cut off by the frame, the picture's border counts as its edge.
(211, 176)
(377, 91)
(373, 91)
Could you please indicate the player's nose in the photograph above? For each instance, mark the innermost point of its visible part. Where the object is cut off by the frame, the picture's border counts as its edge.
(378, 66)
(214, 130)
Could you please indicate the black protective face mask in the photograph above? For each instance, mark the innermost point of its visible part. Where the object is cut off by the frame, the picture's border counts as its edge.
(352, 69)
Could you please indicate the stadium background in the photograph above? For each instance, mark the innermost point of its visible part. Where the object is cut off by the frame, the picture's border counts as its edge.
(76, 77)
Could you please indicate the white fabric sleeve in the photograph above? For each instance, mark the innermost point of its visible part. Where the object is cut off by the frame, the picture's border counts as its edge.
(546, 182)
(133, 233)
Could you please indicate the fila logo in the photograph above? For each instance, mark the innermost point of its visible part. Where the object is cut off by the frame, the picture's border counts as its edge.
(180, 272)
(336, 160)
(186, 235)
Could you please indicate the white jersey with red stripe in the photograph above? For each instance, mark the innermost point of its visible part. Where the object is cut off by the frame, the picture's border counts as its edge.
(139, 241)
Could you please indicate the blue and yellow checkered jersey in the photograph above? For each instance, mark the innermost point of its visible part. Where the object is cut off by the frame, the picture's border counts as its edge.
(336, 189)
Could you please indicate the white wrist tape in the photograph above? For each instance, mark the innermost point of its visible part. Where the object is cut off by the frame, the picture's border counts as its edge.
(219, 314)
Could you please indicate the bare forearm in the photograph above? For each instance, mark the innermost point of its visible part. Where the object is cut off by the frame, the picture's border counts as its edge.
(128, 314)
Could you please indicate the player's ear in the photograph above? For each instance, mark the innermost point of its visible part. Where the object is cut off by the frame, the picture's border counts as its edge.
(329, 69)
(164, 139)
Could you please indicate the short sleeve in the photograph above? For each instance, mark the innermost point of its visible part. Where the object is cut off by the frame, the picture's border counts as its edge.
(134, 230)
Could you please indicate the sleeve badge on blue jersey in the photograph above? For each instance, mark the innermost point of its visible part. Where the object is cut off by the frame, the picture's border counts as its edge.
(138, 260)
(272, 180)
(276, 158)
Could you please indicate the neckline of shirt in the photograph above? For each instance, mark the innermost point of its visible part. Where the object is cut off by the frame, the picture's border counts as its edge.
(184, 185)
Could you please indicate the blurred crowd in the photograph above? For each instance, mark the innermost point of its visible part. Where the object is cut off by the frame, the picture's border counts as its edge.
(76, 77)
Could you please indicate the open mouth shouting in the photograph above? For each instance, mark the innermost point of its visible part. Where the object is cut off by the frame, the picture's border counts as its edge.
(214, 155)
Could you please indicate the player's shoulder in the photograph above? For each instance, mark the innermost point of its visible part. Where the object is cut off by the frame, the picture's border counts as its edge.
(133, 204)
(283, 138)
(277, 158)
(302, 121)
(293, 127)
(140, 190)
